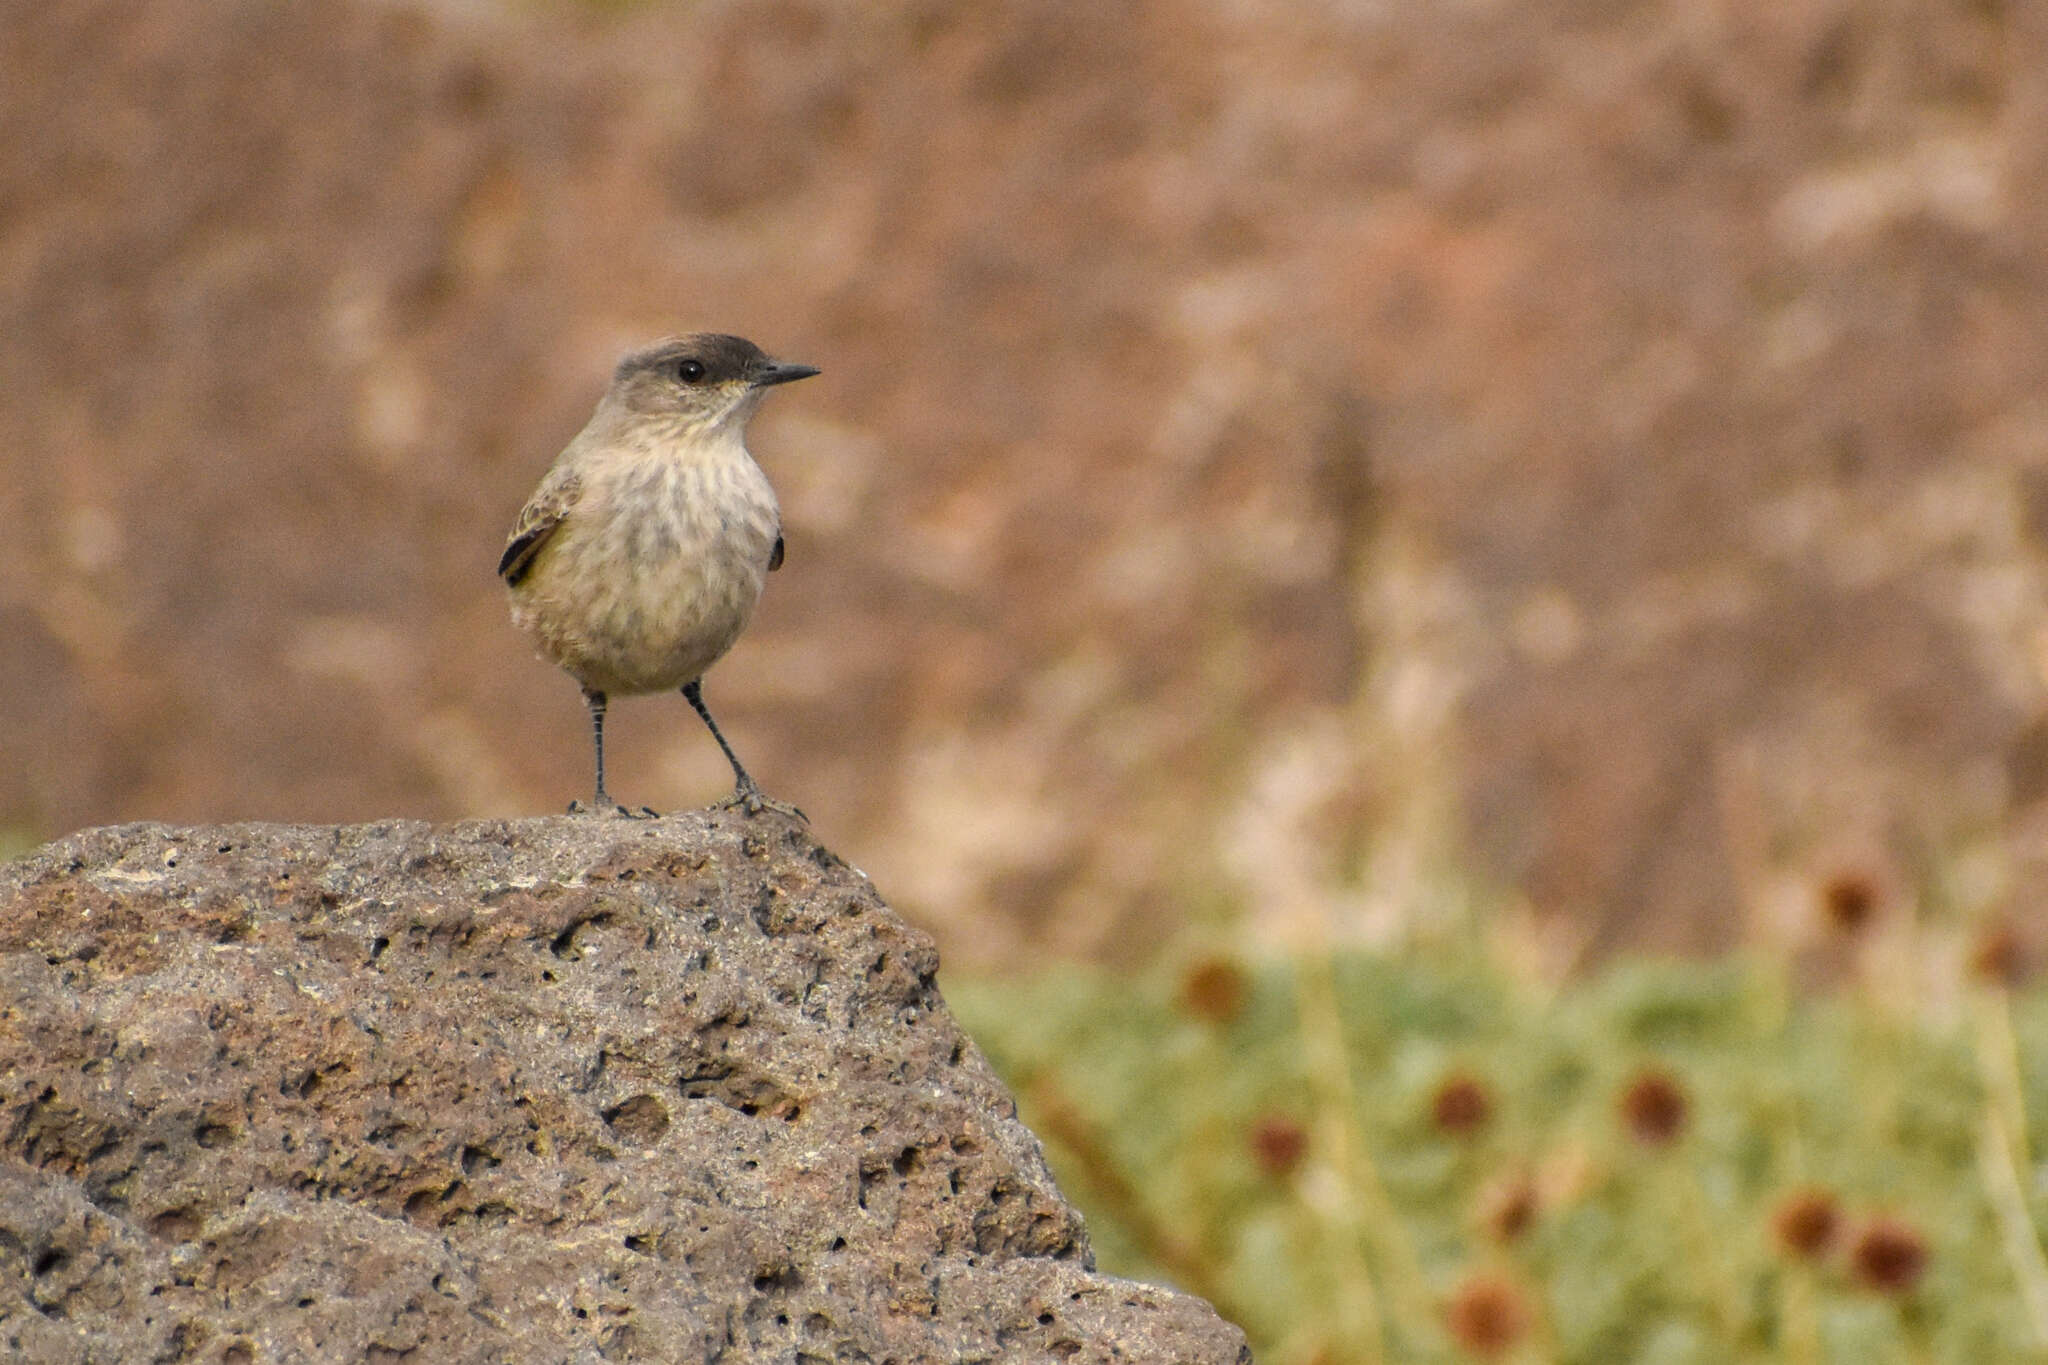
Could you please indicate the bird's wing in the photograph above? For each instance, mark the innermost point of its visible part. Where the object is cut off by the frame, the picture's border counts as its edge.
(537, 521)
(775, 555)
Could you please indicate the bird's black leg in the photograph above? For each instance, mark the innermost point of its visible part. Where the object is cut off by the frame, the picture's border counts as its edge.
(746, 793)
(600, 803)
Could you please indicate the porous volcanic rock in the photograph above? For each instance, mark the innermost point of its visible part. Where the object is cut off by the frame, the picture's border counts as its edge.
(545, 1090)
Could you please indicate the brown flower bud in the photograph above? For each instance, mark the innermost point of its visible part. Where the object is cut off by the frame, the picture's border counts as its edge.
(1278, 1144)
(1487, 1316)
(1889, 1256)
(1213, 989)
(1850, 898)
(1508, 1207)
(2001, 956)
(1654, 1108)
(1461, 1106)
(1806, 1222)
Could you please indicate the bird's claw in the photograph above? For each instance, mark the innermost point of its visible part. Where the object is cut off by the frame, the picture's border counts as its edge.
(609, 809)
(753, 801)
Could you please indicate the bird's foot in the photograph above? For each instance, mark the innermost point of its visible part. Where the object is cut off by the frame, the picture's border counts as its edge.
(753, 801)
(605, 806)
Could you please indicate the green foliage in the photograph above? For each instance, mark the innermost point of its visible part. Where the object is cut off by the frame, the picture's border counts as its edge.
(1653, 1123)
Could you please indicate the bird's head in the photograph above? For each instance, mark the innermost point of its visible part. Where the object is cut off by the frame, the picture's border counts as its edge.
(703, 382)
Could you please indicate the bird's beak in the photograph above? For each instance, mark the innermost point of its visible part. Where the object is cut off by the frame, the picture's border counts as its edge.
(776, 372)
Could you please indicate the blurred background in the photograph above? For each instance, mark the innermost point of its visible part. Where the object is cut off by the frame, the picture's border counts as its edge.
(1264, 452)
(1283, 475)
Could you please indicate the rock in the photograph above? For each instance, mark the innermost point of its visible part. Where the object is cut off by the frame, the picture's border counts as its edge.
(540, 1090)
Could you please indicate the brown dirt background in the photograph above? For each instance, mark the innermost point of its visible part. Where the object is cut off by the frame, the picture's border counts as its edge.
(1299, 458)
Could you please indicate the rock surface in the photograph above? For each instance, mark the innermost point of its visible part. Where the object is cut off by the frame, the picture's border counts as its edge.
(540, 1090)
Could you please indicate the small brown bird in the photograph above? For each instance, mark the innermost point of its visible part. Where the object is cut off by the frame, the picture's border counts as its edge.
(637, 562)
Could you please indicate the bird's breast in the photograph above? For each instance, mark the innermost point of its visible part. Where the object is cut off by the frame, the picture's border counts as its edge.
(656, 572)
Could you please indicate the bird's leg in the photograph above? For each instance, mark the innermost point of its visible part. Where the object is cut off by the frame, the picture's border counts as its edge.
(746, 794)
(600, 804)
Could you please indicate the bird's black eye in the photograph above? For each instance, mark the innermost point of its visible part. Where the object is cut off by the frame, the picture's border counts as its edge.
(690, 371)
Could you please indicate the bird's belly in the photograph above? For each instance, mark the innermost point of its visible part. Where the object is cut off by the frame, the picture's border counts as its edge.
(643, 605)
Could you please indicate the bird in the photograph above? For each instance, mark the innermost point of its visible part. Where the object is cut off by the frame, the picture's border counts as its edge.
(637, 562)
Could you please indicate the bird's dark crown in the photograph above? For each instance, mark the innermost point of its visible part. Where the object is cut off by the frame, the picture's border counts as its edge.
(725, 358)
